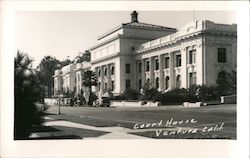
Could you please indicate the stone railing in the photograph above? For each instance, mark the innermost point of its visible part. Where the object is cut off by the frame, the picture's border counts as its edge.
(190, 28)
(134, 104)
(230, 99)
(197, 104)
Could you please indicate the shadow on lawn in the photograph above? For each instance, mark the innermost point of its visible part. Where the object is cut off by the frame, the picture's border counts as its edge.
(62, 132)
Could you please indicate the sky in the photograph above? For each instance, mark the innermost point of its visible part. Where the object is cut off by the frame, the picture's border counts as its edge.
(63, 34)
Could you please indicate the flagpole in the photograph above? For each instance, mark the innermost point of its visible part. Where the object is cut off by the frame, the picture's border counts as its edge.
(193, 15)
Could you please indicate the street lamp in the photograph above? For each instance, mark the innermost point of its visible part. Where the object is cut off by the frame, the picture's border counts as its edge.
(60, 97)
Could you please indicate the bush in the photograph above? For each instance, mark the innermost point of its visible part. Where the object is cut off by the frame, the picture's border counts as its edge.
(119, 97)
(193, 94)
(149, 94)
(92, 98)
(177, 96)
(130, 94)
(105, 102)
(156, 97)
(204, 93)
(80, 100)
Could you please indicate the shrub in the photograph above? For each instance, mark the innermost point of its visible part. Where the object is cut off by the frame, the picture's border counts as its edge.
(130, 94)
(156, 97)
(177, 96)
(149, 94)
(204, 93)
(92, 98)
(119, 97)
(105, 102)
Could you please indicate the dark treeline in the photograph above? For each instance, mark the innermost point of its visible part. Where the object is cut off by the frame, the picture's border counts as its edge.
(31, 86)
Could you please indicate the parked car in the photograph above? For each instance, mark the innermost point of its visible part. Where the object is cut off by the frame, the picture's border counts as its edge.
(105, 102)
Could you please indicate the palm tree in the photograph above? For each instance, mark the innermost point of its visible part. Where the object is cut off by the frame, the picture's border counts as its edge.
(26, 93)
(89, 79)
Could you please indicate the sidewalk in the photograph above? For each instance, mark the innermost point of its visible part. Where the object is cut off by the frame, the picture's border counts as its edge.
(71, 130)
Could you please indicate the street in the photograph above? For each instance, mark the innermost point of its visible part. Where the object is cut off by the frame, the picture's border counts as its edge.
(164, 122)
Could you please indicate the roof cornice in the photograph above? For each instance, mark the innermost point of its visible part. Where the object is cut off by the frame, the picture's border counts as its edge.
(125, 25)
(201, 32)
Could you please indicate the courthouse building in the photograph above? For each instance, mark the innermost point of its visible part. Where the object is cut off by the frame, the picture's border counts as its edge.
(136, 53)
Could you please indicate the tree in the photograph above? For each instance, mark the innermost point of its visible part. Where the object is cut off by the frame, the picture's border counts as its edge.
(83, 57)
(227, 83)
(203, 92)
(45, 73)
(64, 63)
(26, 114)
(149, 93)
(89, 79)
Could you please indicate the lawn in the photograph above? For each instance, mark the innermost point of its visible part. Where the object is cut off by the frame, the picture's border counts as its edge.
(131, 118)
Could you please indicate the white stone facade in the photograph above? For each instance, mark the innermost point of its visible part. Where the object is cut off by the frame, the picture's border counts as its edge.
(69, 78)
(135, 53)
(192, 55)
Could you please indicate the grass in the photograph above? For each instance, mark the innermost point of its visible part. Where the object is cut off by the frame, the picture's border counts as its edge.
(128, 117)
(92, 121)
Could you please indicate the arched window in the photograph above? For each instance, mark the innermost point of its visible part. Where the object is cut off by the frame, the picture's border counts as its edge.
(148, 80)
(99, 72)
(178, 81)
(112, 70)
(105, 72)
(167, 82)
(157, 82)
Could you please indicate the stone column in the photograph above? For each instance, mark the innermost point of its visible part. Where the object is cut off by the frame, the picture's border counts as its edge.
(172, 77)
(151, 68)
(80, 78)
(161, 74)
(102, 81)
(142, 72)
(109, 76)
(184, 75)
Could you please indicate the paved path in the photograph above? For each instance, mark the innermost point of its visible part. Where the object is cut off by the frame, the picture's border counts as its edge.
(114, 132)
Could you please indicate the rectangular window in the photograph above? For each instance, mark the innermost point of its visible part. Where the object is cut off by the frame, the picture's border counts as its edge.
(147, 66)
(128, 83)
(112, 85)
(167, 62)
(192, 56)
(105, 86)
(127, 68)
(178, 60)
(140, 86)
(192, 78)
(139, 67)
(99, 86)
(156, 64)
(222, 55)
